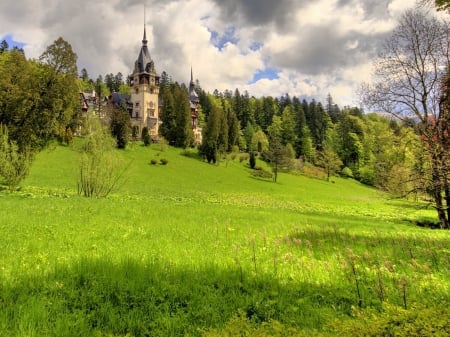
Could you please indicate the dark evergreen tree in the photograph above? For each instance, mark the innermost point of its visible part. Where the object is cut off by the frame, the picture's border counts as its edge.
(252, 160)
(233, 128)
(4, 46)
(184, 135)
(168, 117)
(276, 155)
(120, 125)
(215, 132)
(318, 123)
(332, 109)
(145, 136)
(109, 81)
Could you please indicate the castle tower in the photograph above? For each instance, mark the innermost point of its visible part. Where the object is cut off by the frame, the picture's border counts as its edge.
(194, 103)
(144, 84)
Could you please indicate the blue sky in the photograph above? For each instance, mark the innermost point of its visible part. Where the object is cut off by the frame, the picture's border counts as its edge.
(11, 43)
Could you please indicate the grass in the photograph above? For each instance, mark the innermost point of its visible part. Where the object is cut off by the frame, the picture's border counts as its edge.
(189, 248)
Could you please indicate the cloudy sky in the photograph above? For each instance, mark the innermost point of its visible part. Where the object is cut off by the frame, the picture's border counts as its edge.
(268, 47)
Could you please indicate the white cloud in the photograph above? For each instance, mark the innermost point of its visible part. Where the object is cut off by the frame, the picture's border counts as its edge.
(318, 47)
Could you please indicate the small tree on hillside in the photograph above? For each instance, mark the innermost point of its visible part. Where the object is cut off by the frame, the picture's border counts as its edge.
(277, 155)
(329, 160)
(14, 163)
(100, 169)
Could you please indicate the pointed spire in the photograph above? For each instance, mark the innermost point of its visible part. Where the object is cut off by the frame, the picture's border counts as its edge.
(193, 97)
(144, 40)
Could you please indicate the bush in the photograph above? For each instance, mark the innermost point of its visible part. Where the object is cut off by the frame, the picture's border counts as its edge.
(347, 172)
(14, 164)
(145, 136)
(366, 175)
(100, 169)
(259, 172)
(153, 162)
(163, 161)
(396, 321)
(243, 157)
(313, 171)
(241, 325)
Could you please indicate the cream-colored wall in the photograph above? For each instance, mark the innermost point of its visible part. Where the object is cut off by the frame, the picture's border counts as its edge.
(145, 98)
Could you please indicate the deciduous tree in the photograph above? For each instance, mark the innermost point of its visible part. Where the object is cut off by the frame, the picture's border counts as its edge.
(408, 83)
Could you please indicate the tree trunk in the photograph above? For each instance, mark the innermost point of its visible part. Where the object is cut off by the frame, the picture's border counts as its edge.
(438, 195)
(447, 203)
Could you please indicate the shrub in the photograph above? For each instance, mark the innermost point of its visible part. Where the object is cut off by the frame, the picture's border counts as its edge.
(259, 172)
(145, 136)
(366, 175)
(163, 161)
(313, 171)
(347, 172)
(14, 164)
(100, 169)
(240, 325)
(153, 162)
(243, 157)
(396, 321)
(163, 143)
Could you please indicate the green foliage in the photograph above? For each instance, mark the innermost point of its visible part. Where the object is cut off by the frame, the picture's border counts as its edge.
(394, 321)
(329, 160)
(99, 168)
(145, 136)
(259, 172)
(120, 125)
(60, 57)
(259, 142)
(347, 172)
(14, 163)
(277, 154)
(176, 117)
(366, 175)
(38, 99)
(240, 325)
(163, 161)
(215, 133)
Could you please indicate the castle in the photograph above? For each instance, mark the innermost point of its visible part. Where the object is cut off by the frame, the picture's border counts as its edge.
(144, 105)
(144, 83)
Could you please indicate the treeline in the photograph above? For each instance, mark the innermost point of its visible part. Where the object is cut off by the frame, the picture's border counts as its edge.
(291, 132)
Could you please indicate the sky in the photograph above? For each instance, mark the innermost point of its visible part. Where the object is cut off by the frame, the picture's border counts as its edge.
(303, 48)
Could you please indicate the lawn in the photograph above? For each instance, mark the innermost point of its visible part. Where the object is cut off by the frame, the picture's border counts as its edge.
(190, 248)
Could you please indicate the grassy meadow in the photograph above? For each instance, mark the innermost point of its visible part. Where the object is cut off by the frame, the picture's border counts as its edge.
(193, 249)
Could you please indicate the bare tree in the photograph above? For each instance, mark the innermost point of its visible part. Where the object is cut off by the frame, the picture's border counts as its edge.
(441, 5)
(408, 83)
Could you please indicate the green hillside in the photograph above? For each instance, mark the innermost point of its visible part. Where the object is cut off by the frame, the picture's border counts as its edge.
(190, 248)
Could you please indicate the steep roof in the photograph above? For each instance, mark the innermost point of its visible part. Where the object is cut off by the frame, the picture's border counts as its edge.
(193, 97)
(144, 59)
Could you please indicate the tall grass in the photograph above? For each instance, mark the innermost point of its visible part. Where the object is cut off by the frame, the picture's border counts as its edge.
(195, 249)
